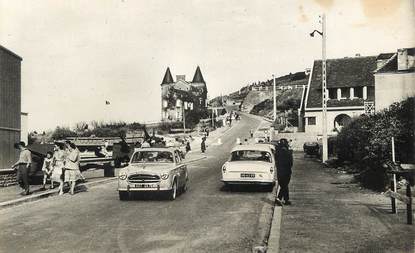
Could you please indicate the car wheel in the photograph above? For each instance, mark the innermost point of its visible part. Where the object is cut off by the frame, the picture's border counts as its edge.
(123, 195)
(173, 191)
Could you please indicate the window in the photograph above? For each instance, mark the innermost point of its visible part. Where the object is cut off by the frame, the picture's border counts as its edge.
(358, 92)
(251, 155)
(371, 92)
(152, 156)
(332, 93)
(311, 121)
(345, 93)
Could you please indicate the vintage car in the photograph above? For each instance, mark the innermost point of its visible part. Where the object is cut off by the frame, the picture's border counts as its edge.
(155, 170)
(250, 164)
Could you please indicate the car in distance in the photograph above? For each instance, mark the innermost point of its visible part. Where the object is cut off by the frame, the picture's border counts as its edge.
(250, 164)
(153, 170)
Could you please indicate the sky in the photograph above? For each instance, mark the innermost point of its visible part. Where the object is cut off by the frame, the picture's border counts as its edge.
(78, 54)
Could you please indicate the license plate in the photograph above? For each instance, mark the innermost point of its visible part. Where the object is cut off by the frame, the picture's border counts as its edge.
(247, 175)
(145, 186)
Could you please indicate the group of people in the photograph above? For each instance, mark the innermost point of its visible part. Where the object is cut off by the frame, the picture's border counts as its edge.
(60, 166)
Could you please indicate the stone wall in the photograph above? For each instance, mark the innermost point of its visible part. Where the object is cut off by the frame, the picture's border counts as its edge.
(7, 178)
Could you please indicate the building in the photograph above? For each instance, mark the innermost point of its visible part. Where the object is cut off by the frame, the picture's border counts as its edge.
(394, 77)
(10, 106)
(180, 95)
(351, 92)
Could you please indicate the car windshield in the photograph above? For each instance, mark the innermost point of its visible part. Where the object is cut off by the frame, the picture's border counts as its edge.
(251, 155)
(152, 157)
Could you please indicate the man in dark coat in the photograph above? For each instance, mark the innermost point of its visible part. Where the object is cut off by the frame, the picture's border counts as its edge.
(284, 162)
(203, 145)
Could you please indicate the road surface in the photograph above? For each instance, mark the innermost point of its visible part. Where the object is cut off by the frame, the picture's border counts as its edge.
(207, 218)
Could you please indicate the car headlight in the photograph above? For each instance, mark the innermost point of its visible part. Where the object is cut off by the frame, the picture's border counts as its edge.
(122, 176)
(165, 176)
(223, 168)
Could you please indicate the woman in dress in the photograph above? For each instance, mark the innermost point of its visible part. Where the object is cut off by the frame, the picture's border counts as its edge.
(59, 157)
(72, 172)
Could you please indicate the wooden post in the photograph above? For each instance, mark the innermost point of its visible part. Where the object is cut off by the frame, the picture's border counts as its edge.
(409, 204)
(393, 200)
(394, 209)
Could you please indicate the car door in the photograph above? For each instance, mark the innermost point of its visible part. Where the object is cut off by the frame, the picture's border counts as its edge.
(180, 166)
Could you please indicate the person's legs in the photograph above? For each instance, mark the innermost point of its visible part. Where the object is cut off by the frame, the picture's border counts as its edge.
(60, 187)
(283, 187)
(72, 187)
(25, 178)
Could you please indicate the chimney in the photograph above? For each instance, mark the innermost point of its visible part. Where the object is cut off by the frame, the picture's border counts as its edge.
(307, 71)
(180, 77)
(405, 60)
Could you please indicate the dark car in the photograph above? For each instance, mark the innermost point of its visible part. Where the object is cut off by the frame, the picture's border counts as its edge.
(311, 149)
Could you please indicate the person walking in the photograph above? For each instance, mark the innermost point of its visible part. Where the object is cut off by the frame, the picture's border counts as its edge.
(58, 166)
(23, 166)
(47, 168)
(284, 162)
(188, 147)
(203, 145)
(251, 132)
(72, 172)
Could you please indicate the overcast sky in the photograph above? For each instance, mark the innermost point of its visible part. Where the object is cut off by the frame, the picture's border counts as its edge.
(77, 54)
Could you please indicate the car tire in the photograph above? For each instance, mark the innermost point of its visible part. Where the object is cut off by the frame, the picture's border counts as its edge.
(123, 195)
(173, 192)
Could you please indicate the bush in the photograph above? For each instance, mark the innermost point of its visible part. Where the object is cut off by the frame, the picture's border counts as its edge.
(62, 133)
(366, 141)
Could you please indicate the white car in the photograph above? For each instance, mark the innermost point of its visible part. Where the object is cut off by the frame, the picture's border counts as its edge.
(155, 170)
(250, 164)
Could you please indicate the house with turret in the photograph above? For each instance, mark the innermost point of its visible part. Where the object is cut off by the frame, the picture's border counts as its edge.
(179, 96)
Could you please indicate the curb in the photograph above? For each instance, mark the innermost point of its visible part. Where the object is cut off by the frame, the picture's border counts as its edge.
(265, 222)
(34, 197)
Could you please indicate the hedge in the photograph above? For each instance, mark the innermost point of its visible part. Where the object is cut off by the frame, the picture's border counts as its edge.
(366, 141)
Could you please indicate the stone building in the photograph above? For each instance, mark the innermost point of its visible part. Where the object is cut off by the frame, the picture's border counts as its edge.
(181, 95)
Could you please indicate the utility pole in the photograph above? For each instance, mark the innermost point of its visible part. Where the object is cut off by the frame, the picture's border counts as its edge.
(275, 98)
(324, 89)
(184, 119)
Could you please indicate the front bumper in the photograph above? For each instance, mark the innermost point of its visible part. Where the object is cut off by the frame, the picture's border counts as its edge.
(163, 185)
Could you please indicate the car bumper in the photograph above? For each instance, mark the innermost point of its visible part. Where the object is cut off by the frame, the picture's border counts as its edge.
(130, 187)
(256, 182)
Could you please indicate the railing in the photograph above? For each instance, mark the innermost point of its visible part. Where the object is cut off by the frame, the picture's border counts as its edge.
(408, 174)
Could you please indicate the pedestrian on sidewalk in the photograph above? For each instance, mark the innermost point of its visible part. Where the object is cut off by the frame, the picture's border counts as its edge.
(251, 132)
(59, 157)
(47, 168)
(23, 167)
(203, 145)
(188, 148)
(72, 172)
(284, 162)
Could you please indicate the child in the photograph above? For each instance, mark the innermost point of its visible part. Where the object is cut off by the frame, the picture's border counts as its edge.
(47, 168)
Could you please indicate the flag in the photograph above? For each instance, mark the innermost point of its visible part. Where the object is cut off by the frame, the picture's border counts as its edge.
(107, 102)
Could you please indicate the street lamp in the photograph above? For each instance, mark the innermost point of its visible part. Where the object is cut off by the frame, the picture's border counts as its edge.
(323, 84)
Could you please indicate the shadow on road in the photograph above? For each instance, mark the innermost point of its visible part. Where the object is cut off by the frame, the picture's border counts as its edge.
(246, 188)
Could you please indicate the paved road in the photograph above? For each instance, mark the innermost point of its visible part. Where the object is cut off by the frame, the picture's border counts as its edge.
(205, 219)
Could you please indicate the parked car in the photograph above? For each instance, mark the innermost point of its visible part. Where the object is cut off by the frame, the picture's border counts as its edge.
(153, 170)
(250, 164)
(311, 149)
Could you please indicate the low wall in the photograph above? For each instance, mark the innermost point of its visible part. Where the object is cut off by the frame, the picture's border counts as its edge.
(7, 178)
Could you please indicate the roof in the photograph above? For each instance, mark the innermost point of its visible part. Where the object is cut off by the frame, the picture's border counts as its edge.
(391, 63)
(341, 73)
(259, 147)
(198, 78)
(385, 56)
(167, 77)
(10, 52)
(157, 149)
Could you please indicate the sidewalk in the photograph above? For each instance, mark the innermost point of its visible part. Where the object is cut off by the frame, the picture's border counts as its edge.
(10, 195)
(329, 215)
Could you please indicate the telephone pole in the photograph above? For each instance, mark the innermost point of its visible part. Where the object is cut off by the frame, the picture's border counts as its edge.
(324, 89)
(275, 99)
